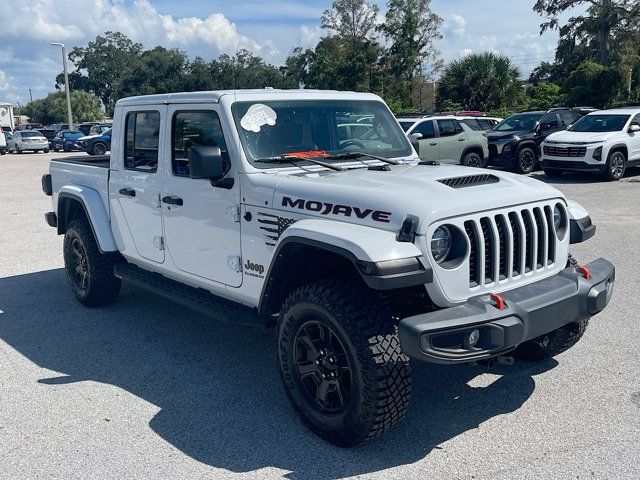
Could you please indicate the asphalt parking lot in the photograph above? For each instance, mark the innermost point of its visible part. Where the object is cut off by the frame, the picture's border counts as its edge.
(147, 389)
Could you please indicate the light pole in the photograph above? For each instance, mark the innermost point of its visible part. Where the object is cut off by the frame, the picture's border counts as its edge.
(66, 84)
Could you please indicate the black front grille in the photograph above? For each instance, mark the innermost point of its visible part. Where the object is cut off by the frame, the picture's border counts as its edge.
(487, 235)
(469, 180)
(565, 151)
(470, 228)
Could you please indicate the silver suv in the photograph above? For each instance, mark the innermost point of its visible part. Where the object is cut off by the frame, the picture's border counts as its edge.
(447, 139)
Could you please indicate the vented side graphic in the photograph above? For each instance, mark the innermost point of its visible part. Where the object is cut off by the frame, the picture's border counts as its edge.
(273, 226)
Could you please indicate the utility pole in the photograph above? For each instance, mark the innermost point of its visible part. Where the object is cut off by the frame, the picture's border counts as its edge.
(30, 96)
(66, 83)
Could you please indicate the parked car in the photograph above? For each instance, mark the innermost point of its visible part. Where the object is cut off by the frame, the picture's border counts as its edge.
(96, 144)
(605, 142)
(515, 142)
(28, 140)
(362, 260)
(66, 140)
(49, 134)
(447, 140)
(3, 143)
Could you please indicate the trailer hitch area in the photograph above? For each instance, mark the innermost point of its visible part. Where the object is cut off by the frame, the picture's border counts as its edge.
(491, 362)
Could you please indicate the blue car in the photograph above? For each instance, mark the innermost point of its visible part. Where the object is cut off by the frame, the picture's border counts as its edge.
(97, 145)
(66, 140)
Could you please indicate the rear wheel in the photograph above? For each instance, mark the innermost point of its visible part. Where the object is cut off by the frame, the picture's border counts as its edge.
(526, 160)
(46, 150)
(472, 159)
(340, 362)
(616, 165)
(89, 272)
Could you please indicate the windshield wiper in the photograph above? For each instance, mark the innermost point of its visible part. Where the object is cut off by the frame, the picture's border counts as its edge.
(354, 155)
(294, 158)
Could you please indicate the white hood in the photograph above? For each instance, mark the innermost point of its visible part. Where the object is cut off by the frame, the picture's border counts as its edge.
(580, 137)
(403, 190)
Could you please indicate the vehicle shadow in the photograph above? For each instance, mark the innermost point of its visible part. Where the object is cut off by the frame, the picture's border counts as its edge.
(217, 387)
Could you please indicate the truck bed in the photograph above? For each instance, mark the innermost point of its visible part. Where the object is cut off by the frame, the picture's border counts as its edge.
(102, 161)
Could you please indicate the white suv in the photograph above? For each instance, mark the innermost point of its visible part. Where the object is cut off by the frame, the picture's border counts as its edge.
(605, 142)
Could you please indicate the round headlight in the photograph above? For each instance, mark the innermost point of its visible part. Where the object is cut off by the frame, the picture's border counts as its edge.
(557, 218)
(441, 244)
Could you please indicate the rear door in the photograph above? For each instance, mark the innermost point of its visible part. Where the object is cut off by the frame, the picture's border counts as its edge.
(428, 144)
(137, 183)
(453, 140)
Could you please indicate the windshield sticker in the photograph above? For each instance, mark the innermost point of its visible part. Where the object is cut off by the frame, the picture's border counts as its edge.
(258, 115)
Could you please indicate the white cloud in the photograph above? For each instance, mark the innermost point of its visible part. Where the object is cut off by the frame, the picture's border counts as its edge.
(458, 25)
(4, 83)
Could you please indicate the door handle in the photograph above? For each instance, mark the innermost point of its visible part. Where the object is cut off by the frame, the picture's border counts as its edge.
(433, 144)
(171, 200)
(461, 139)
(127, 192)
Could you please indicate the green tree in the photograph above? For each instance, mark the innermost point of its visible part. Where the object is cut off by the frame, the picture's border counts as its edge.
(480, 81)
(101, 66)
(85, 107)
(544, 96)
(411, 29)
(592, 84)
(597, 28)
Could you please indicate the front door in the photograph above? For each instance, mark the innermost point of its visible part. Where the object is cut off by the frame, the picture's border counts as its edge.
(453, 140)
(634, 141)
(136, 185)
(201, 221)
(428, 147)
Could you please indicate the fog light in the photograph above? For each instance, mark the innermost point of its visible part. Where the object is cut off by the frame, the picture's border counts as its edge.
(597, 154)
(472, 338)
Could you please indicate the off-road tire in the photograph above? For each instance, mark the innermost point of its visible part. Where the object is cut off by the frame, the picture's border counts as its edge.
(99, 149)
(553, 343)
(616, 166)
(472, 159)
(551, 173)
(46, 150)
(380, 386)
(526, 160)
(102, 286)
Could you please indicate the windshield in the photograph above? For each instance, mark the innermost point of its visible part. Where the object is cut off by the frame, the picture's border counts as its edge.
(32, 133)
(521, 121)
(269, 129)
(600, 123)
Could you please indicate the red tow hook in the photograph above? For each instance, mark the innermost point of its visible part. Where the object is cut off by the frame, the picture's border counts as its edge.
(584, 271)
(499, 301)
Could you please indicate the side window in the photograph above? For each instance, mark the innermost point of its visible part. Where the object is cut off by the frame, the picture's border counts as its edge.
(549, 121)
(194, 129)
(485, 124)
(426, 129)
(636, 119)
(141, 141)
(448, 127)
(472, 123)
(568, 118)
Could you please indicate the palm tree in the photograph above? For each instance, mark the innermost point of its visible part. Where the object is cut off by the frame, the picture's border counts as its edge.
(480, 81)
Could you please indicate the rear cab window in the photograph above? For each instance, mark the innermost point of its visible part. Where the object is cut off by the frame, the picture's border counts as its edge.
(142, 134)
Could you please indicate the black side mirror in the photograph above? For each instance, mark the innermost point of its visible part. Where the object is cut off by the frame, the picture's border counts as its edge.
(207, 162)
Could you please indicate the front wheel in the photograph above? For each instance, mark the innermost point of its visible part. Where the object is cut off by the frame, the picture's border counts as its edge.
(526, 160)
(472, 159)
(616, 166)
(340, 362)
(553, 173)
(552, 343)
(89, 272)
(99, 149)
(46, 150)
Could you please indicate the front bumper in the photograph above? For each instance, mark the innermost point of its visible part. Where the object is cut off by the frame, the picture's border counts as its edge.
(498, 154)
(573, 166)
(530, 311)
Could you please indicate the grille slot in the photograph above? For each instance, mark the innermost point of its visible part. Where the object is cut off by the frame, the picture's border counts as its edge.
(510, 244)
(469, 180)
(565, 151)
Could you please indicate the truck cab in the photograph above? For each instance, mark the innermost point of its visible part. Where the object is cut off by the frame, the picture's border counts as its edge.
(258, 207)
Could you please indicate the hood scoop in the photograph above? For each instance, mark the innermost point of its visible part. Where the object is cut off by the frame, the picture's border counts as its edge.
(469, 180)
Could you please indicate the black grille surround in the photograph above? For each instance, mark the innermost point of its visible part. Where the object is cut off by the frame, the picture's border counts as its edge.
(575, 152)
(469, 180)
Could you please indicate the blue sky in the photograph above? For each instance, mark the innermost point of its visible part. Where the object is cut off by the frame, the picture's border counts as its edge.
(270, 28)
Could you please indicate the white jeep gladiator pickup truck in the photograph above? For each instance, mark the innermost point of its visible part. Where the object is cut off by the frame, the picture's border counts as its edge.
(255, 207)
